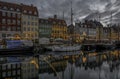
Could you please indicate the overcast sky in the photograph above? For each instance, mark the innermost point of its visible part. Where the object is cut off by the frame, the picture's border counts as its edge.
(89, 9)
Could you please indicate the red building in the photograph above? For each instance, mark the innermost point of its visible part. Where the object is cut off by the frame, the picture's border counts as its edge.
(18, 19)
(10, 19)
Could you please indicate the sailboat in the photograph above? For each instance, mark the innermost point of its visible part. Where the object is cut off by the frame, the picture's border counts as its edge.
(70, 47)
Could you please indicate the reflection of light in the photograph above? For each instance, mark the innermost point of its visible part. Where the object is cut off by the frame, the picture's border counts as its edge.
(84, 59)
(35, 63)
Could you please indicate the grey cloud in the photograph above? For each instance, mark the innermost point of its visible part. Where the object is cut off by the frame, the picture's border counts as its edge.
(81, 8)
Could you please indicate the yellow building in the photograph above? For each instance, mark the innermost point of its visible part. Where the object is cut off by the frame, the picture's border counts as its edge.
(59, 28)
(29, 22)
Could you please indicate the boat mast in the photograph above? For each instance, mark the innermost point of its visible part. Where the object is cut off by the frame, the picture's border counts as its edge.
(110, 26)
(63, 15)
(71, 14)
(99, 27)
(118, 31)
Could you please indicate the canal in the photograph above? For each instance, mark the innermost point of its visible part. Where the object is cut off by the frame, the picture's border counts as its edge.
(80, 65)
(62, 65)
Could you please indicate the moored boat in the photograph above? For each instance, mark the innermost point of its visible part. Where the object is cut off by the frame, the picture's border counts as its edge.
(16, 46)
(68, 48)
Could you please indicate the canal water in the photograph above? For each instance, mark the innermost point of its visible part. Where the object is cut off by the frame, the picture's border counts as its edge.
(68, 65)
(80, 65)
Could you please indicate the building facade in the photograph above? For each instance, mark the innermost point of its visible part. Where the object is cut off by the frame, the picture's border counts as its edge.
(30, 22)
(18, 20)
(10, 19)
(59, 28)
(91, 29)
(45, 28)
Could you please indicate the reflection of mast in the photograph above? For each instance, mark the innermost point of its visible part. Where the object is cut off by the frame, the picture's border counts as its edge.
(63, 75)
(99, 67)
(72, 72)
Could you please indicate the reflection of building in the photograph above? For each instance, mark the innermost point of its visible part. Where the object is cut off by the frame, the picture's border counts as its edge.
(10, 70)
(57, 65)
(10, 19)
(59, 28)
(29, 22)
(18, 68)
(29, 70)
(45, 28)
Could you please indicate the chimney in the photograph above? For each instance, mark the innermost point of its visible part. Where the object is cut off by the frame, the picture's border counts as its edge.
(31, 5)
(21, 3)
(55, 16)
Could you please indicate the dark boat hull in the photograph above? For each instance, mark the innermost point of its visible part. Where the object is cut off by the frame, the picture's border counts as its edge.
(21, 50)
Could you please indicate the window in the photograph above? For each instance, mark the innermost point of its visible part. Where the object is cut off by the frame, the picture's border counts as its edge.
(35, 13)
(28, 23)
(18, 72)
(4, 74)
(4, 35)
(9, 14)
(18, 65)
(28, 29)
(9, 73)
(24, 28)
(18, 16)
(3, 21)
(36, 24)
(24, 23)
(28, 17)
(5, 7)
(30, 12)
(9, 66)
(8, 21)
(3, 29)
(32, 24)
(33, 29)
(3, 13)
(14, 72)
(14, 66)
(14, 21)
(14, 28)
(18, 28)
(18, 22)
(25, 11)
(18, 9)
(3, 67)
(18, 78)
(13, 15)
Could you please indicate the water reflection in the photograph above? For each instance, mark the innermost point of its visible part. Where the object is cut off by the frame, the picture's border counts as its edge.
(82, 65)
(63, 65)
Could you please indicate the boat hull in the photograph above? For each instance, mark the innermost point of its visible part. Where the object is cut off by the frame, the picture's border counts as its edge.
(21, 50)
(66, 48)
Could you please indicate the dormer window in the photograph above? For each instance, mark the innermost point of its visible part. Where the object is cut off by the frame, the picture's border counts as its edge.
(5, 7)
(11, 9)
(25, 11)
(18, 10)
(35, 13)
(30, 12)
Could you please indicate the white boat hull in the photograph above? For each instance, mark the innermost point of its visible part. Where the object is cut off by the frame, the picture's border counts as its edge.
(66, 48)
